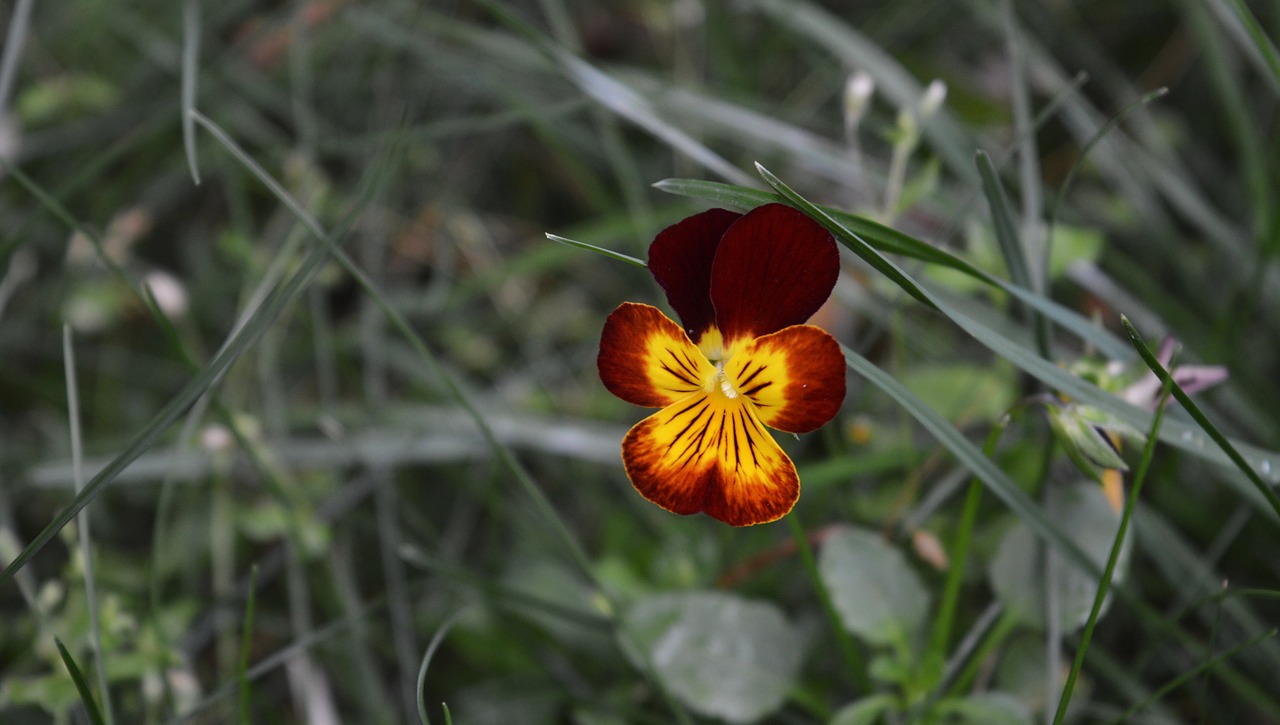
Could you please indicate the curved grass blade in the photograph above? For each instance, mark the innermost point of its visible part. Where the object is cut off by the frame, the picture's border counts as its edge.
(1104, 583)
(619, 256)
(888, 240)
(426, 662)
(242, 673)
(190, 65)
(1177, 682)
(1015, 256)
(272, 305)
(82, 685)
(1175, 433)
(572, 546)
(860, 247)
(996, 480)
(616, 96)
(1268, 492)
(82, 520)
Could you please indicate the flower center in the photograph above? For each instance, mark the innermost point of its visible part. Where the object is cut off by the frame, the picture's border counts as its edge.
(720, 379)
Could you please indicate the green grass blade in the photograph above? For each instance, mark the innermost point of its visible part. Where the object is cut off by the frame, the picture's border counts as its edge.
(856, 51)
(190, 67)
(270, 309)
(1178, 681)
(1266, 49)
(1104, 584)
(996, 480)
(1268, 492)
(617, 97)
(82, 520)
(891, 241)
(618, 256)
(246, 642)
(543, 504)
(19, 24)
(1006, 230)
(859, 247)
(1015, 256)
(432, 646)
(1175, 433)
(82, 685)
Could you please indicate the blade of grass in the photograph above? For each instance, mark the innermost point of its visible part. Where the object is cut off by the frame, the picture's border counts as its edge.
(949, 140)
(891, 241)
(82, 520)
(1264, 55)
(968, 454)
(1015, 256)
(618, 256)
(1177, 682)
(1205, 424)
(617, 97)
(432, 646)
(19, 24)
(526, 481)
(82, 685)
(1104, 584)
(271, 307)
(246, 642)
(960, 552)
(1175, 433)
(190, 66)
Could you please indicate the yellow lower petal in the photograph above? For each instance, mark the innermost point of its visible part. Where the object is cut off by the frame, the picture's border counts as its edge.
(710, 453)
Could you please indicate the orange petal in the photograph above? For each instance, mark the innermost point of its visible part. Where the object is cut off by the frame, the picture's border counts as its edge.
(646, 359)
(710, 453)
(795, 377)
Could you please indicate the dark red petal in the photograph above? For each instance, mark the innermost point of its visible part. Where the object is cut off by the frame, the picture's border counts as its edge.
(774, 268)
(680, 260)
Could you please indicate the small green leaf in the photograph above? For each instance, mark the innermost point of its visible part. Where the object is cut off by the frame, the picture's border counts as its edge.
(721, 655)
(873, 588)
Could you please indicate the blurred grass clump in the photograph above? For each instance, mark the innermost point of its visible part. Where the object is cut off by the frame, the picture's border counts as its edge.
(320, 438)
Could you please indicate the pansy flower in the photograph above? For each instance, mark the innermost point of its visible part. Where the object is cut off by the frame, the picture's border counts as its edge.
(742, 285)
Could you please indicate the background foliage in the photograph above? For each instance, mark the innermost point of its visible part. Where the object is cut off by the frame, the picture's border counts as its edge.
(334, 412)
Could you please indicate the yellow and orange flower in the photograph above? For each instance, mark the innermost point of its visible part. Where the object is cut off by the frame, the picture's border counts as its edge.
(743, 285)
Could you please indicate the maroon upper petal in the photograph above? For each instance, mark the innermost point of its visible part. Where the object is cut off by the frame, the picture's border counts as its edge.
(774, 268)
(680, 260)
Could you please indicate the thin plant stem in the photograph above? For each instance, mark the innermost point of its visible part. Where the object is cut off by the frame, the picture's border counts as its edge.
(1104, 583)
(82, 522)
(960, 549)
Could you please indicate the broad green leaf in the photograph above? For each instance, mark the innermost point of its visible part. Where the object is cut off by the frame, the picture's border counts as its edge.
(1017, 572)
(721, 655)
(873, 588)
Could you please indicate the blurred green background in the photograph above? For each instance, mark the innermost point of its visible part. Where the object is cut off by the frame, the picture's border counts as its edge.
(336, 464)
